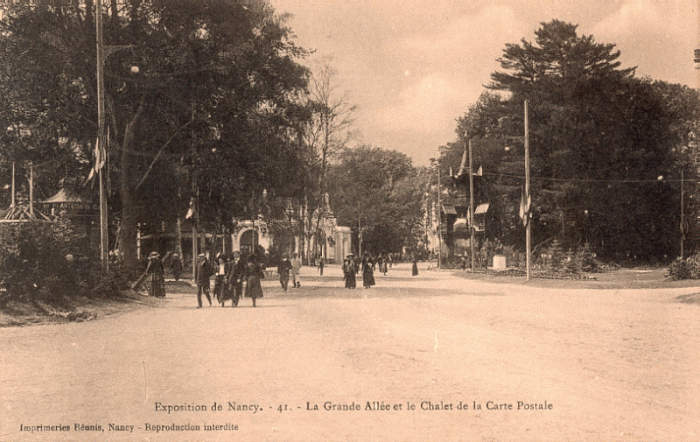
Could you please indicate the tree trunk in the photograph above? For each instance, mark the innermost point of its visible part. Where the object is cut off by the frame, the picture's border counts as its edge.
(129, 228)
(178, 237)
(127, 239)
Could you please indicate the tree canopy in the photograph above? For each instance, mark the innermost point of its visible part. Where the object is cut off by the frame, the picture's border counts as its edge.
(599, 140)
(380, 195)
(209, 113)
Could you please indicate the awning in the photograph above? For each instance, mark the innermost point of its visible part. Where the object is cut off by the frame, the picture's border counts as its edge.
(449, 210)
(481, 209)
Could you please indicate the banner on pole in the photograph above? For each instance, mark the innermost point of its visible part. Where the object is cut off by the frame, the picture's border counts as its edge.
(525, 201)
(100, 158)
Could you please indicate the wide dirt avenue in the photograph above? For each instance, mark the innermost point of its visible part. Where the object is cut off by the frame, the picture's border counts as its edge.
(434, 357)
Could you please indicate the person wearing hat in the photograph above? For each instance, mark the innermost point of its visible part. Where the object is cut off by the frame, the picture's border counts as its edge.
(236, 276)
(321, 264)
(283, 269)
(203, 272)
(253, 275)
(349, 272)
(296, 267)
(220, 266)
(176, 266)
(367, 271)
(155, 270)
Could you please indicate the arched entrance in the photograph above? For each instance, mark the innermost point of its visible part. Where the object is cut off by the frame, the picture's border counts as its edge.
(249, 241)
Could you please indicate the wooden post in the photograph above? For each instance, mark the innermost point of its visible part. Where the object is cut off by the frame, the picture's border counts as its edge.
(682, 210)
(104, 239)
(471, 205)
(14, 202)
(195, 233)
(31, 191)
(528, 244)
(439, 203)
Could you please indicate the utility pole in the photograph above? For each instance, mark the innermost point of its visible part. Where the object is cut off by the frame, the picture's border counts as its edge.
(31, 191)
(439, 210)
(471, 205)
(195, 229)
(13, 187)
(682, 209)
(104, 239)
(528, 244)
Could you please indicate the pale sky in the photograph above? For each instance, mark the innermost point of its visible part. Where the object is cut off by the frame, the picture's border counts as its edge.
(413, 66)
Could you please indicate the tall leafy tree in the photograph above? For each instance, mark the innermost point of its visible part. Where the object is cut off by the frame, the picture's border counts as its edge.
(380, 195)
(599, 139)
(207, 114)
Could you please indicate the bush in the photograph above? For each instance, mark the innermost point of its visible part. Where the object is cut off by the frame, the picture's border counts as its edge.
(583, 260)
(688, 268)
(39, 262)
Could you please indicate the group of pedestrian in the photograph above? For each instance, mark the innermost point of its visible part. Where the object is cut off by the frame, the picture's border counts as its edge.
(367, 265)
(239, 276)
(287, 268)
(232, 272)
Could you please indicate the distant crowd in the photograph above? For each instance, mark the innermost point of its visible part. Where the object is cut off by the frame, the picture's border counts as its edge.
(237, 276)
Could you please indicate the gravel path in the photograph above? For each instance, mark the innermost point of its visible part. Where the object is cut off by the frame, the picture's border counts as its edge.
(589, 365)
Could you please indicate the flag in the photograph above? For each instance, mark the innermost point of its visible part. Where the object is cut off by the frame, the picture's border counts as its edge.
(100, 159)
(463, 164)
(525, 207)
(479, 172)
(190, 211)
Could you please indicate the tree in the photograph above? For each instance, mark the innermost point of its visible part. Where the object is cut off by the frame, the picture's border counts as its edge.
(599, 138)
(377, 193)
(324, 134)
(558, 60)
(216, 96)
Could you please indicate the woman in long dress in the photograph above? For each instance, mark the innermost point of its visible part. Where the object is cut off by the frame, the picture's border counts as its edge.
(237, 277)
(349, 272)
(220, 280)
(367, 272)
(253, 275)
(155, 270)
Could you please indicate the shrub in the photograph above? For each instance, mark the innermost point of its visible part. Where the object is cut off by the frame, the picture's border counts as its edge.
(39, 261)
(688, 268)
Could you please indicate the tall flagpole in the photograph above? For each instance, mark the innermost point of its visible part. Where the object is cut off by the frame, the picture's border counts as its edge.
(527, 194)
(104, 239)
(471, 205)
